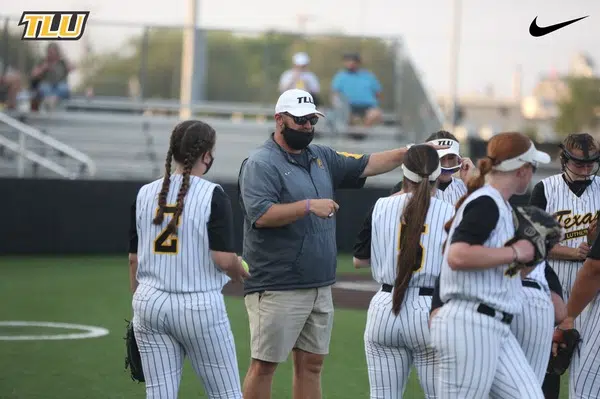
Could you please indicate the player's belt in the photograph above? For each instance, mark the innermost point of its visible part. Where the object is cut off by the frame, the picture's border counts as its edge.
(531, 284)
(486, 310)
(423, 291)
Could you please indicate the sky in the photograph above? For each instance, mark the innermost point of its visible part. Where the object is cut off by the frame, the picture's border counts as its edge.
(494, 37)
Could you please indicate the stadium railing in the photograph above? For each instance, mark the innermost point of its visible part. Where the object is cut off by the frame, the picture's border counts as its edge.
(23, 132)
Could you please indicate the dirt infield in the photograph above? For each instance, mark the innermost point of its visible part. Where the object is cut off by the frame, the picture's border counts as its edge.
(352, 291)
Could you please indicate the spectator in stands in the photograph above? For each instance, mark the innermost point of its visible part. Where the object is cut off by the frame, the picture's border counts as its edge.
(359, 89)
(49, 78)
(10, 85)
(299, 77)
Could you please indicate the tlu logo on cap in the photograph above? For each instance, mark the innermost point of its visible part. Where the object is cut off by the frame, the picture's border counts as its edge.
(305, 100)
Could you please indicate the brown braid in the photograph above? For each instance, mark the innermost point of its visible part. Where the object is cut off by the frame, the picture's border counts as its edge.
(190, 160)
(162, 196)
(174, 152)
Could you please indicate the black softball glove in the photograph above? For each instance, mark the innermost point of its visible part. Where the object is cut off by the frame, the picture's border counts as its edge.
(566, 342)
(539, 228)
(133, 360)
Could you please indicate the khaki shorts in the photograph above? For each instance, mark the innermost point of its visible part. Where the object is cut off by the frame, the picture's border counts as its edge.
(283, 320)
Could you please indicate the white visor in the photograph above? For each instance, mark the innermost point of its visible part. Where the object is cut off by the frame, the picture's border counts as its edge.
(454, 147)
(412, 176)
(532, 156)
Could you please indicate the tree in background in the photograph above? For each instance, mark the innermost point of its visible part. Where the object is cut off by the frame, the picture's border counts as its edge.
(240, 67)
(580, 110)
(19, 54)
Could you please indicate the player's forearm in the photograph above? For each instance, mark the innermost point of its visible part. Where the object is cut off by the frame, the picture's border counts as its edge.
(383, 162)
(227, 261)
(585, 288)
(462, 256)
(133, 263)
(561, 252)
(279, 215)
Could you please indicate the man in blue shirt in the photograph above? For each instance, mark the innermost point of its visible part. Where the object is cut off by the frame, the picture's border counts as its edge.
(360, 89)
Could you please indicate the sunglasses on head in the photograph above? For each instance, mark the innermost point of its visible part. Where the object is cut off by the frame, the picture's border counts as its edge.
(301, 120)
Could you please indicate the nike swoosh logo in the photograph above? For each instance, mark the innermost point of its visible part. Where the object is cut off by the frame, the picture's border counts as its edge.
(537, 31)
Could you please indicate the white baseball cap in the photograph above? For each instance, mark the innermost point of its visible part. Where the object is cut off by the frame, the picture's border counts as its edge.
(532, 156)
(453, 147)
(296, 102)
(301, 59)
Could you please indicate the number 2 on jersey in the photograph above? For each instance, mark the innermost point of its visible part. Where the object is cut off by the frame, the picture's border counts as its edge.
(166, 243)
(420, 251)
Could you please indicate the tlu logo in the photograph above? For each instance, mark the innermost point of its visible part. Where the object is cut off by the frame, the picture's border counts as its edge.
(53, 25)
(445, 143)
(305, 100)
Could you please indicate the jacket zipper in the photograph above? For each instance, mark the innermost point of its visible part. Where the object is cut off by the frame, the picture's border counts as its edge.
(311, 178)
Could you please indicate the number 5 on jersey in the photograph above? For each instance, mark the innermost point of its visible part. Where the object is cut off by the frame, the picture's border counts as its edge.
(421, 250)
(166, 243)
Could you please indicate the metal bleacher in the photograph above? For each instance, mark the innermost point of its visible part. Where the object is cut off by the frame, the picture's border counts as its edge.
(123, 139)
(128, 139)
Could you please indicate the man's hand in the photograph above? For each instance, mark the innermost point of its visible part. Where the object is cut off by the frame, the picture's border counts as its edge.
(323, 208)
(582, 250)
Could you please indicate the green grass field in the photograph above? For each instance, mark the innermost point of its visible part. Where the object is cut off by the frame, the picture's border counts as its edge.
(94, 291)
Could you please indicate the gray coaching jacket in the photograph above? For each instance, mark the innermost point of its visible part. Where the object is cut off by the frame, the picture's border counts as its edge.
(302, 254)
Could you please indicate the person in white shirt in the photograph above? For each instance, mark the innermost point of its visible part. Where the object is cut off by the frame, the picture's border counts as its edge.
(299, 77)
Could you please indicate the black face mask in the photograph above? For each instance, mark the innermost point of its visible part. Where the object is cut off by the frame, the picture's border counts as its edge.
(208, 165)
(581, 184)
(296, 139)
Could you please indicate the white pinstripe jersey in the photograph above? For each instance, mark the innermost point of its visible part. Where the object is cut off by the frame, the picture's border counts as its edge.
(179, 264)
(455, 190)
(385, 240)
(490, 286)
(539, 275)
(574, 214)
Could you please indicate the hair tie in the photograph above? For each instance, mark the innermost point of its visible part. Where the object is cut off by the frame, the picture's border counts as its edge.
(491, 159)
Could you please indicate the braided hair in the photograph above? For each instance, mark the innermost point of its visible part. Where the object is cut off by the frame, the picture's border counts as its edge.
(174, 152)
(198, 140)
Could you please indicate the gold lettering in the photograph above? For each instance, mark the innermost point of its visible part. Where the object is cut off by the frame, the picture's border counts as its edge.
(559, 215)
(31, 23)
(46, 32)
(63, 29)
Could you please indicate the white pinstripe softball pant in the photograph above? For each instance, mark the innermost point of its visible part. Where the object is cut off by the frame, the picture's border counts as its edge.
(169, 327)
(478, 356)
(394, 343)
(584, 373)
(533, 329)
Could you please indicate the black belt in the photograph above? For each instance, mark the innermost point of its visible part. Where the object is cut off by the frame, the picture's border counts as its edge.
(531, 284)
(485, 309)
(423, 291)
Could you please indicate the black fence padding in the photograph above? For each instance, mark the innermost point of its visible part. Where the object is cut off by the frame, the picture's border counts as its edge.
(92, 217)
